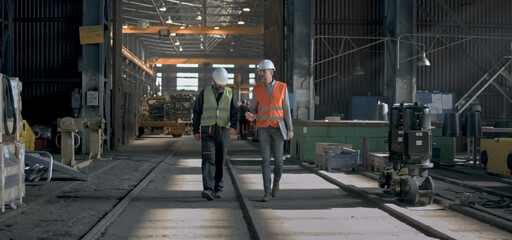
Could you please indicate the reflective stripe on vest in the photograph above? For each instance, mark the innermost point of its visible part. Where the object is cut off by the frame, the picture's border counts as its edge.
(213, 113)
(270, 110)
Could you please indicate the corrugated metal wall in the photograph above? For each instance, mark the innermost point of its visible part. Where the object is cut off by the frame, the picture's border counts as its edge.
(346, 18)
(457, 69)
(46, 52)
(451, 69)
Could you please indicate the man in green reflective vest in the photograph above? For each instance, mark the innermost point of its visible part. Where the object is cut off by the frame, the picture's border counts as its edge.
(215, 118)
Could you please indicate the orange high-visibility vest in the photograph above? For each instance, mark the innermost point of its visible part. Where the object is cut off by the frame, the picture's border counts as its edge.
(270, 110)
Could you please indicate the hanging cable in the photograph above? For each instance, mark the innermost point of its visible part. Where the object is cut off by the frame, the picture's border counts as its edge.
(9, 110)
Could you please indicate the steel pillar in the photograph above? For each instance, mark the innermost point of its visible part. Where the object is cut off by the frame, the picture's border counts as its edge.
(299, 52)
(405, 76)
(400, 18)
(96, 67)
(117, 80)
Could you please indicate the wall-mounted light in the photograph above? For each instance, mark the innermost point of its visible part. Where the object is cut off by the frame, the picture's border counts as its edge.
(423, 60)
(216, 28)
(357, 67)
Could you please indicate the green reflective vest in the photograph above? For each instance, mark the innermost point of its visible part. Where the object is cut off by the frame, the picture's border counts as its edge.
(213, 113)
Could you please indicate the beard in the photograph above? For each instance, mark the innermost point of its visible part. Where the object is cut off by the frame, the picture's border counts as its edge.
(219, 89)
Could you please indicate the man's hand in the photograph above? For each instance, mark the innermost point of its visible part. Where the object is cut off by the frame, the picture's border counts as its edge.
(197, 137)
(250, 116)
(231, 131)
(290, 134)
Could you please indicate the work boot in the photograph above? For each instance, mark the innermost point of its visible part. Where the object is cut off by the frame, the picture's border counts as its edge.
(275, 189)
(207, 194)
(267, 197)
(218, 195)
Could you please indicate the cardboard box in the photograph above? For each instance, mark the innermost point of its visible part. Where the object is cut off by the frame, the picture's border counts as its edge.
(319, 147)
(378, 161)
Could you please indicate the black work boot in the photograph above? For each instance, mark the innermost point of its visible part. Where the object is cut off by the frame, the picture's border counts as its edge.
(275, 189)
(207, 194)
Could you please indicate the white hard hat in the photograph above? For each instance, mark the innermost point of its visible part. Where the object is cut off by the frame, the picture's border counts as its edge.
(220, 76)
(266, 64)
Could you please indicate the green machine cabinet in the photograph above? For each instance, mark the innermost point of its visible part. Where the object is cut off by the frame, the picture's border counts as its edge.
(308, 133)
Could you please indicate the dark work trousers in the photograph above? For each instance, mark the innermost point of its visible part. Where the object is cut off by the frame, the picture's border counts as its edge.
(243, 128)
(213, 151)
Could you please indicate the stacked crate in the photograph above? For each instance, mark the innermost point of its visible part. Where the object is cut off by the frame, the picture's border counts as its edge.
(12, 177)
(322, 148)
(344, 160)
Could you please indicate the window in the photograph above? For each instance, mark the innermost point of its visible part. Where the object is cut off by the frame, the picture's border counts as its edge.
(231, 78)
(187, 81)
(187, 65)
(252, 80)
(223, 65)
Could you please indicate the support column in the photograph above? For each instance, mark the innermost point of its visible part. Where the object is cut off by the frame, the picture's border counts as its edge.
(400, 18)
(405, 78)
(117, 80)
(299, 58)
(95, 72)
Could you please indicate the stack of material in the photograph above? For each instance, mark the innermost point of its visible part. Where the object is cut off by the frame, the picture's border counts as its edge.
(12, 176)
(344, 160)
(322, 148)
(378, 161)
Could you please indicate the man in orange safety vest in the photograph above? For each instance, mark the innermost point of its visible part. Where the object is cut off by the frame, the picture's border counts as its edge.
(271, 106)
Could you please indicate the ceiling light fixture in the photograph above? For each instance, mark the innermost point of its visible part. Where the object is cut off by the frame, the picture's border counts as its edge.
(241, 22)
(169, 21)
(162, 7)
(201, 46)
(181, 49)
(177, 42)
(216, 28)
(183, 27)
(246, 9)
(173, 34)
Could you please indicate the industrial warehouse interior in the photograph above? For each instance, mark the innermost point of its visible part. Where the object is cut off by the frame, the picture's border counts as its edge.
(256, 119)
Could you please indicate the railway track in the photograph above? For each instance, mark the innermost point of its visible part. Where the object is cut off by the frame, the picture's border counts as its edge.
(312, 204)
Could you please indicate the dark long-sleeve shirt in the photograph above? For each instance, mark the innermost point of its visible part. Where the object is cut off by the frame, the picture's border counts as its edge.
(198, 112)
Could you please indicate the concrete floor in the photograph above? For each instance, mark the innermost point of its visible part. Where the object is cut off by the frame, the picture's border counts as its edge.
(170, 206)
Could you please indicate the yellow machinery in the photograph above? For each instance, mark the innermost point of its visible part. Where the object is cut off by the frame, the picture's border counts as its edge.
(172, 116)
(496, 154)
(68, 128)
(96, 126)
(27, 136)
